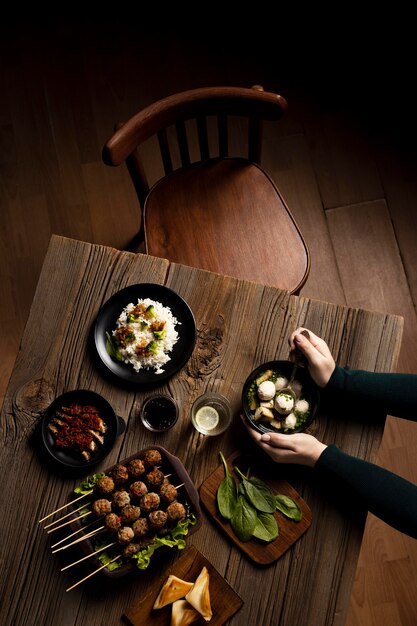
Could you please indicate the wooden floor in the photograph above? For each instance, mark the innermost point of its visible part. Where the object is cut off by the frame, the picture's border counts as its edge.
(344, 157)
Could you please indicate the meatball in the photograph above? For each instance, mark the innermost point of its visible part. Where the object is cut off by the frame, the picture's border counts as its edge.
(157, 519)
(176, 511)
(130, 550)
(140, 527)
(168, 492)
(121, 499)
(112, 522)
(136, 468)
(119, 474)
(125, 535)
(101, 507)
(130, 513)
(152, 458)
(149, 502)
(138, 489)
(155, 478)
(105, 485)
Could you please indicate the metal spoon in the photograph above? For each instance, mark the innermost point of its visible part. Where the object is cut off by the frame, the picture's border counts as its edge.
(299, 359)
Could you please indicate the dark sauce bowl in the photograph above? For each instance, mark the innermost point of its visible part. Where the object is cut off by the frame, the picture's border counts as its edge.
(159, 413)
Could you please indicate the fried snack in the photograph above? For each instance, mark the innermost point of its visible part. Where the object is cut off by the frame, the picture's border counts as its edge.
(183, 613)
(199, 595)
(173, 589)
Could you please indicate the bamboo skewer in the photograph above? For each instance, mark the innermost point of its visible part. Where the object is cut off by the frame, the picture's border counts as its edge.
(64, 506)
(89, 555)
(64, 516)
(75, 532)
(52, 530)
(87, 536)
(92, 573)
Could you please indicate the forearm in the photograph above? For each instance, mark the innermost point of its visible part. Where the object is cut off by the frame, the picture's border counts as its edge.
(390, 393)
(388, 496)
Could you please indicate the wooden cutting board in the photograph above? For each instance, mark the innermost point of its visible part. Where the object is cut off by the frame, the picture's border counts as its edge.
(225, 602)
(289, 531)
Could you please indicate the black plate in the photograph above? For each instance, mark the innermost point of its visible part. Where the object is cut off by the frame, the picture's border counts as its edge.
(71, 459)
(310, 393)
(182, 350)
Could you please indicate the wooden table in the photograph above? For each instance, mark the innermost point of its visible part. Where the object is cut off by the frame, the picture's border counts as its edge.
(240, 325)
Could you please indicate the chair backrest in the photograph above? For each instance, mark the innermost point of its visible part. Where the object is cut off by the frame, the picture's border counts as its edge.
(176, 113)
(210, 183)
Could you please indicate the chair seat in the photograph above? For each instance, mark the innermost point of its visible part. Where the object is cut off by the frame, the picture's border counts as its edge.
(245, 229)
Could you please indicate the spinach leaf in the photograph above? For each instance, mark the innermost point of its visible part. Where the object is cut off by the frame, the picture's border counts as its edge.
(288, 507)
(258, 493)
(226, 492)
(243, 520)
(266, 527)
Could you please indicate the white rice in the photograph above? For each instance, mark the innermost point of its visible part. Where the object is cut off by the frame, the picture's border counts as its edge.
(144, 335)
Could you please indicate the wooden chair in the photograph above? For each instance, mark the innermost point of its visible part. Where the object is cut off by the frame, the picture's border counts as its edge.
(210, 208)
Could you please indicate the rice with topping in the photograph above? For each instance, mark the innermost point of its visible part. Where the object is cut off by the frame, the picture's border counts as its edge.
(146, 334)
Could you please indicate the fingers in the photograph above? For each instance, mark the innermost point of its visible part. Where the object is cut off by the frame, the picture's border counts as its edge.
(313, 339)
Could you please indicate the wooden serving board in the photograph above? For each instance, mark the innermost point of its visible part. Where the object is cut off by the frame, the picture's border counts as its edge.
(259, 551)
(225, 602)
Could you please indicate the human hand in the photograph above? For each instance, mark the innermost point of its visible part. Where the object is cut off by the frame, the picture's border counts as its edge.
(320, 361)
(299, 448)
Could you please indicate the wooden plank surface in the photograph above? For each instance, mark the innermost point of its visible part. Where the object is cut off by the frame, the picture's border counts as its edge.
(240, 325)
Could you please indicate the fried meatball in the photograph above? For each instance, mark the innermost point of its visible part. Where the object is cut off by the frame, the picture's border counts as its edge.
(157, 519)
(152, 458)
(149, 502)
(168, 492)
(119, 474)
(176, 511)
(136, 467)
(155, 477)
(129, 513)
(140, 527)
(125, 535)
(130, 550)
(138, 489)
(112, 522)
(105, 485)
(121, 499)
(101, 507)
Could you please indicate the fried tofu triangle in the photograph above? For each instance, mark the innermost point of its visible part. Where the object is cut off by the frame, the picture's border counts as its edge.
(173, 589)
(199, 595)
(183, 613)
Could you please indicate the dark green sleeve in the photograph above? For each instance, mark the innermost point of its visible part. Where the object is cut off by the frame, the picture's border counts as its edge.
(388, 496)
(389, 393)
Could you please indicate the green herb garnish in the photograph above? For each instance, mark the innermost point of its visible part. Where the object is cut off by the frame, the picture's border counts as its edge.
(112, 348)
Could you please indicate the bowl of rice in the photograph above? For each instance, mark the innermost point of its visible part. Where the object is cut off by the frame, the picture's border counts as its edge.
(144, 333)
(269, 411)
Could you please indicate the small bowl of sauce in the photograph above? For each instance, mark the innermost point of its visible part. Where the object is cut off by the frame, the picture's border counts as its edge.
(159, 413)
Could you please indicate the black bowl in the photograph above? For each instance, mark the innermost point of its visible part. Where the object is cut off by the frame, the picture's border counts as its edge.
(309, 392)
(70, 458)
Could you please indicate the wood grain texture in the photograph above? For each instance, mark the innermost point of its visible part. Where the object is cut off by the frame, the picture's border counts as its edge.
(72, 66)
(76, 279)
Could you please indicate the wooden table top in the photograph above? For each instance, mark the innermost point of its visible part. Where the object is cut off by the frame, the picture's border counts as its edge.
(239, 326)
